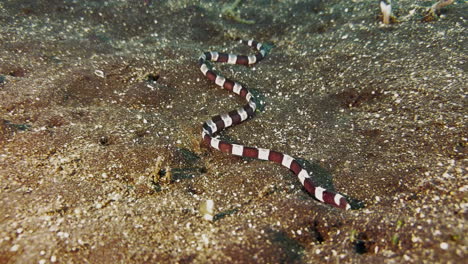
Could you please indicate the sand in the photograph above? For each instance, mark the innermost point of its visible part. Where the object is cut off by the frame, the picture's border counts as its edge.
(101, 106)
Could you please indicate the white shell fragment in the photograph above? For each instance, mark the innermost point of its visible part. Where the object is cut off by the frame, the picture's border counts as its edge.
(207, 210)
(99, 73)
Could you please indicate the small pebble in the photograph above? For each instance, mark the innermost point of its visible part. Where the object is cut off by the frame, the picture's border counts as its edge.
(444, 245)
(14, 248)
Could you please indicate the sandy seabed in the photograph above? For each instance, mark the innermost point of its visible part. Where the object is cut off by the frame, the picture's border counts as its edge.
(101, 106)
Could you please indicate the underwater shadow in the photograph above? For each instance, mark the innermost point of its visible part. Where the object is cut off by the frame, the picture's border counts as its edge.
(324, 178)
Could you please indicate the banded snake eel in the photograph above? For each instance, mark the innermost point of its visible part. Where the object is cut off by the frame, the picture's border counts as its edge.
(232, 118)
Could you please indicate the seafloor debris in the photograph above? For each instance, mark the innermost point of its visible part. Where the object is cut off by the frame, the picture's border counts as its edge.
(99, 73)
(160, 175)
(386, 8)
(433, 12)
(207, 210)
(228, 11)
(387, 15)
